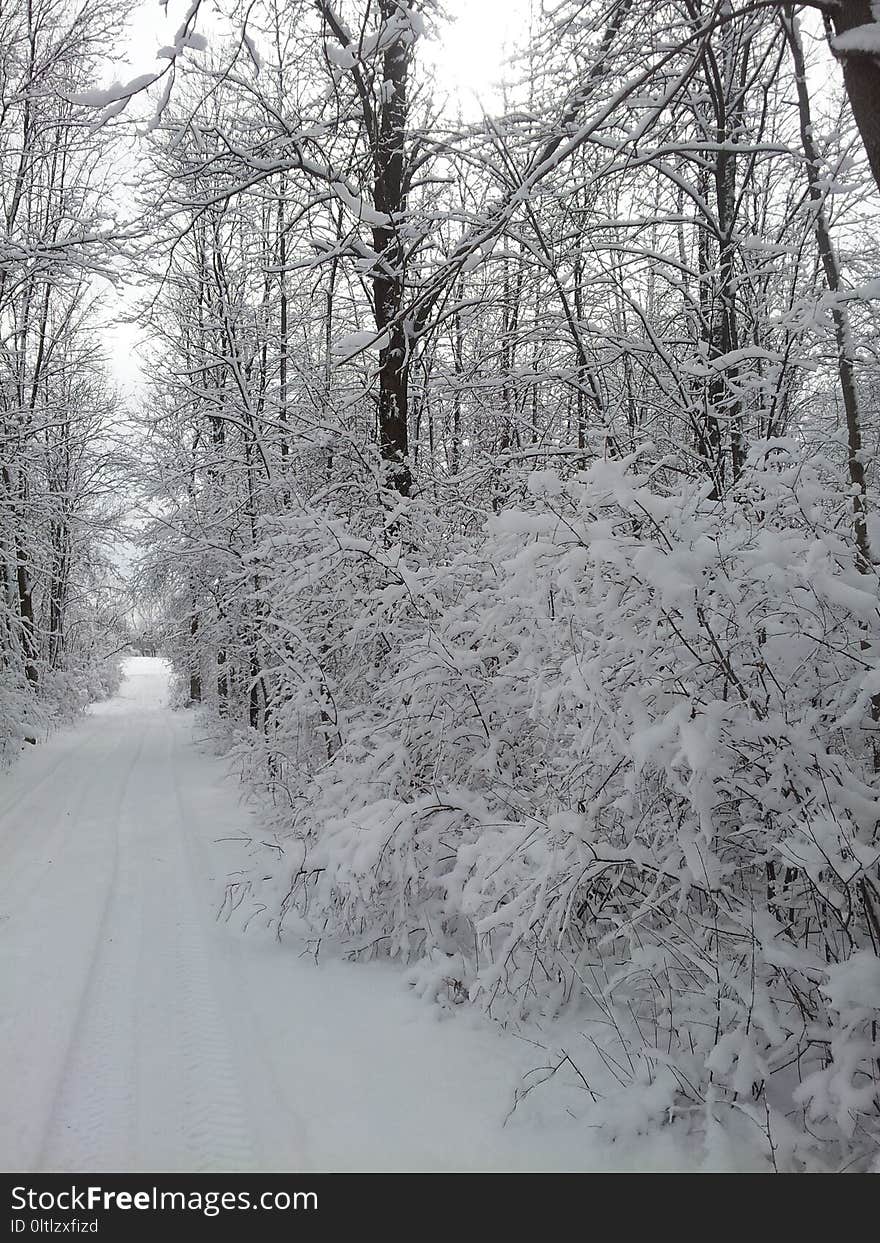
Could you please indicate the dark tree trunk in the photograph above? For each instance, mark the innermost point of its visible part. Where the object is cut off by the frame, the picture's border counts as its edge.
(222, 683)
(842, 330)
(195, 678)
(453, 454)
(389, 196)
(58, 592)
(26, 613)
(708, 428)
(861, 74)
(254, 693)
(839, 315)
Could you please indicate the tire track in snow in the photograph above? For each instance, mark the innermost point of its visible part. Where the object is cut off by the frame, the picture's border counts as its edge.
(141, 1048)
(93, 1088)
(47, 934)
(148, 1081)
(21, 842)
(278, 1130)
(204, 1110)
(35, 787)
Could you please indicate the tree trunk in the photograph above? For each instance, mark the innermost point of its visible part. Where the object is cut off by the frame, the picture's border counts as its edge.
(389, 196)
(861, 74)
(831, 266)
(195, 678)
(842, 331)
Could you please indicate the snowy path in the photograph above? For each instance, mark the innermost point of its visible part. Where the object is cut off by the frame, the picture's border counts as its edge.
(137, 1033)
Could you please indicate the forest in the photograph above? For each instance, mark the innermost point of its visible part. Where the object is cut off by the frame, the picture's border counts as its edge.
(504, 489)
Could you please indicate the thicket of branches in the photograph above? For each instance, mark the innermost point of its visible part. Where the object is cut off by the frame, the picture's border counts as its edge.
(58, 604)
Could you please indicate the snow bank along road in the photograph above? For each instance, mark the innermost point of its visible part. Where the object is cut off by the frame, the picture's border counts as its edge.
(137, 1033)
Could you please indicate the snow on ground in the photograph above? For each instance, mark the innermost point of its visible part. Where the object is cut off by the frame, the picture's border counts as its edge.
(138, 1033)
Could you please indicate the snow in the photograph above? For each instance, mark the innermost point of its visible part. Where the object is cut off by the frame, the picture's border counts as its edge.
(356, 342)
(855, 983)
(341, 56)
(253, 50)
(147, 1035)
(356, 205)
(864, 40)
(117, 92)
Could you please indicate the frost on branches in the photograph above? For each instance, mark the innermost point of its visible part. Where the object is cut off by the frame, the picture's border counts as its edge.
(613, 756)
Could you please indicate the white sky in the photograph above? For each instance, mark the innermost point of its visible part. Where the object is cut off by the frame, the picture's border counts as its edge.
(468, 54)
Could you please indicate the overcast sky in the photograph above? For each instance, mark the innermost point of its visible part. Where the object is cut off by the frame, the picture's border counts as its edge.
(468, 55)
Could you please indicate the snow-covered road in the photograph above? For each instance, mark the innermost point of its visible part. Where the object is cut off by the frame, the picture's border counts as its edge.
(138, 1033)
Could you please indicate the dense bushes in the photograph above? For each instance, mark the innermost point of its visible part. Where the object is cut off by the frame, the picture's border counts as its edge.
(62, 695)
(613, 756)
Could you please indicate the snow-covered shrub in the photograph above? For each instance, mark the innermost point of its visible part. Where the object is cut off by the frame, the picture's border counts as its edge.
(57, 695)
(29, 713)
(21, 716)
(615, 754)
(68, 691)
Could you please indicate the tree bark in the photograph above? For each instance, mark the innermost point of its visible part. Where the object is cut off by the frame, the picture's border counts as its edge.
(831, 266)
(842, 332)
(195, 677)
(389, 196)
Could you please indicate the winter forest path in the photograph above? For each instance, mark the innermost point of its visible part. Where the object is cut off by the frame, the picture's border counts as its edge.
(138, 1033)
